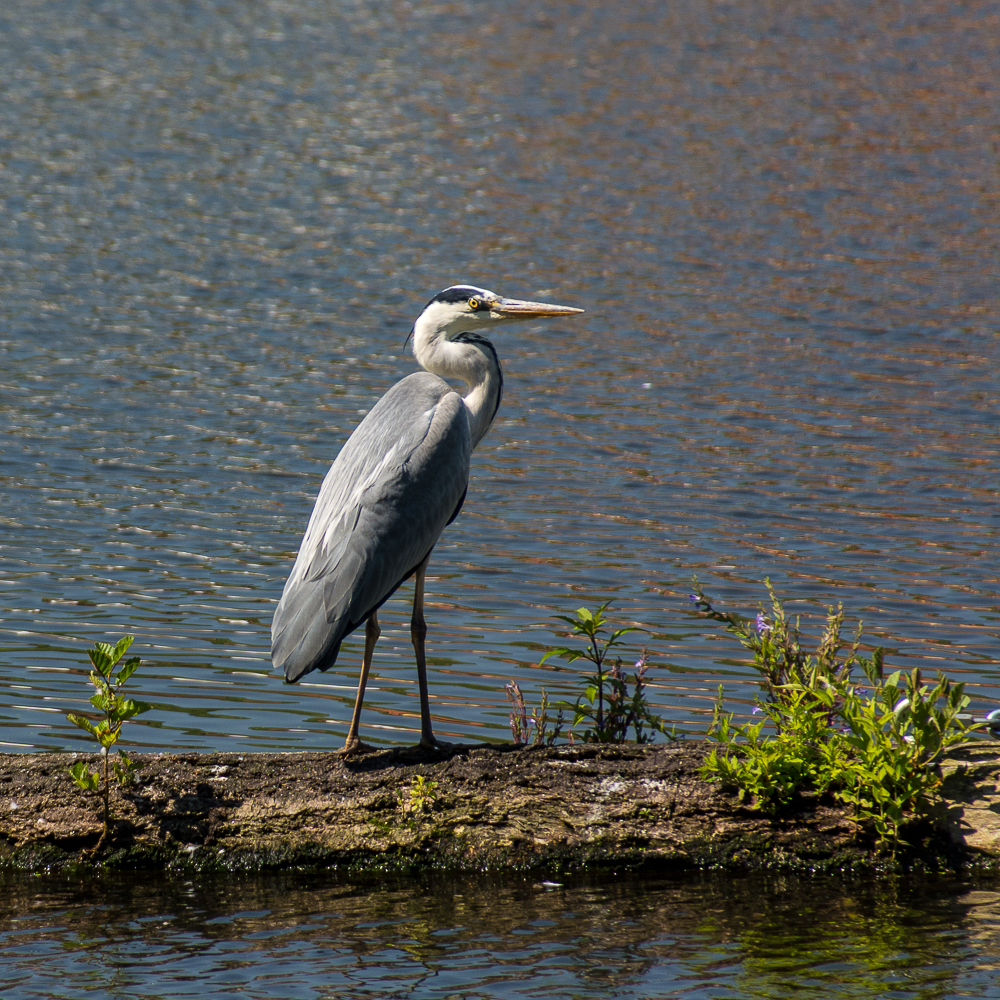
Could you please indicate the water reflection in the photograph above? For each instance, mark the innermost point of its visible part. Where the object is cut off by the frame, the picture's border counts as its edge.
(319, 935)
(219, 222)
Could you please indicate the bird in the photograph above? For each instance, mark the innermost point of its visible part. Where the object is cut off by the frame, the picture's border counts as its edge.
(400, 479)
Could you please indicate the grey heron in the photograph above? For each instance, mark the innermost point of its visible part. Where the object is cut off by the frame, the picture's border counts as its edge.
(399, 480)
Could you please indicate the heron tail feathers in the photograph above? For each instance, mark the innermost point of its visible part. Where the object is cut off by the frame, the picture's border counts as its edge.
(301, 637)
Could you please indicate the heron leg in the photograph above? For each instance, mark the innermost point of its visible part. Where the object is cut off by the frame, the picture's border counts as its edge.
(418, 633)
(354, 744)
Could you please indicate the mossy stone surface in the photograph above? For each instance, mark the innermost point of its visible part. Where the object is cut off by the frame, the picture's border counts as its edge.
(483, 807)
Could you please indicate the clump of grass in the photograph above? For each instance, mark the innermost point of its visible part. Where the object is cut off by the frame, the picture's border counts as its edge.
(533, 728)
(873, 743)
(117, 710)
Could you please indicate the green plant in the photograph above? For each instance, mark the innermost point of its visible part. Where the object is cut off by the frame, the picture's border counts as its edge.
(873, 745)
(606, 702)
(422, 795)
(522, 725)
(777, 647)
(107, 731)
(768, 770)
(895, 739)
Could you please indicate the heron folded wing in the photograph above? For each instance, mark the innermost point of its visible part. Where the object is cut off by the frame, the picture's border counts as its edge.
(385, 501)
(393, 430)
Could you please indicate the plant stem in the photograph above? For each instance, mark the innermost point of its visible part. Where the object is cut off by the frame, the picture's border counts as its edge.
(107, 794)
(599, 660)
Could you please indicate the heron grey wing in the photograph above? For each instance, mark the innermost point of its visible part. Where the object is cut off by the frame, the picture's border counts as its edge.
(396, 425)
(398, 519)
(386, 499)
(391, 430)
(403, 515)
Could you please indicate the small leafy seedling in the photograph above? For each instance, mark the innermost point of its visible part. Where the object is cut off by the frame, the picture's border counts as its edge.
(107, 731)
(423, 792)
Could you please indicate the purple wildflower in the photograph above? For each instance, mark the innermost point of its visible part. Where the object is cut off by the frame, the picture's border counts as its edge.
(762, 625)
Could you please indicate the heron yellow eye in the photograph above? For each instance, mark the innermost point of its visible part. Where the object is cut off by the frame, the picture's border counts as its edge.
(474, 303)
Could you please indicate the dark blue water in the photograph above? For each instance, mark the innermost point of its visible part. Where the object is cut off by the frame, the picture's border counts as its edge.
(219, 222)
(698, 938)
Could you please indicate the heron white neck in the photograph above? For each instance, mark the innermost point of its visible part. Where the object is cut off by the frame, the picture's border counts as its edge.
(472, 360)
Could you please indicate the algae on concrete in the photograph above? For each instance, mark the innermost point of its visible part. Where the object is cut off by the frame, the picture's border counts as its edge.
(493, 807)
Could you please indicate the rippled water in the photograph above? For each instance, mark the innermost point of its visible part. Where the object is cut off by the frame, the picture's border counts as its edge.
(219, 221)
(703, 938)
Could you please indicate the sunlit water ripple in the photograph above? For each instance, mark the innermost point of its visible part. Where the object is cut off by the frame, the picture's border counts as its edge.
(219, 227)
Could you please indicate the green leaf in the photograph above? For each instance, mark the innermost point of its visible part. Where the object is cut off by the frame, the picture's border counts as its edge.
(101, 658)
(99, 681)
(584, 614)
(101, 701)
(569, 621)
(128, 669)
(108, 737)
(84, 778)
(106, 648)
(566, 654)
(125, 769)
(107, 733)
(121, 646)
(622, 631)
(129, 708)
(79, 720)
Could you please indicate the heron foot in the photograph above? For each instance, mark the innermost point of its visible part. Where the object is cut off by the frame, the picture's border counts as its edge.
(353, 747)
(433, 743)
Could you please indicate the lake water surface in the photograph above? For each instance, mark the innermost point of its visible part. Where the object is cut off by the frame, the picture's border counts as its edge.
(219, 220)
(707, 937)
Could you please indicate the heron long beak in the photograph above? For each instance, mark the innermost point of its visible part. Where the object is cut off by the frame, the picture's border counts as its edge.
(517, 309)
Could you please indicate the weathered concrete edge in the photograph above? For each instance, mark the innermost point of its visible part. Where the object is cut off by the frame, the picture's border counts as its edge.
(619, 808)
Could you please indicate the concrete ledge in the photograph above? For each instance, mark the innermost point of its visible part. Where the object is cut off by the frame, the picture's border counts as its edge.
(490, 807)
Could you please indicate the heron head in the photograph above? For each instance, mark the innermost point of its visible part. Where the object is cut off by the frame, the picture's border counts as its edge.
(465, 308)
